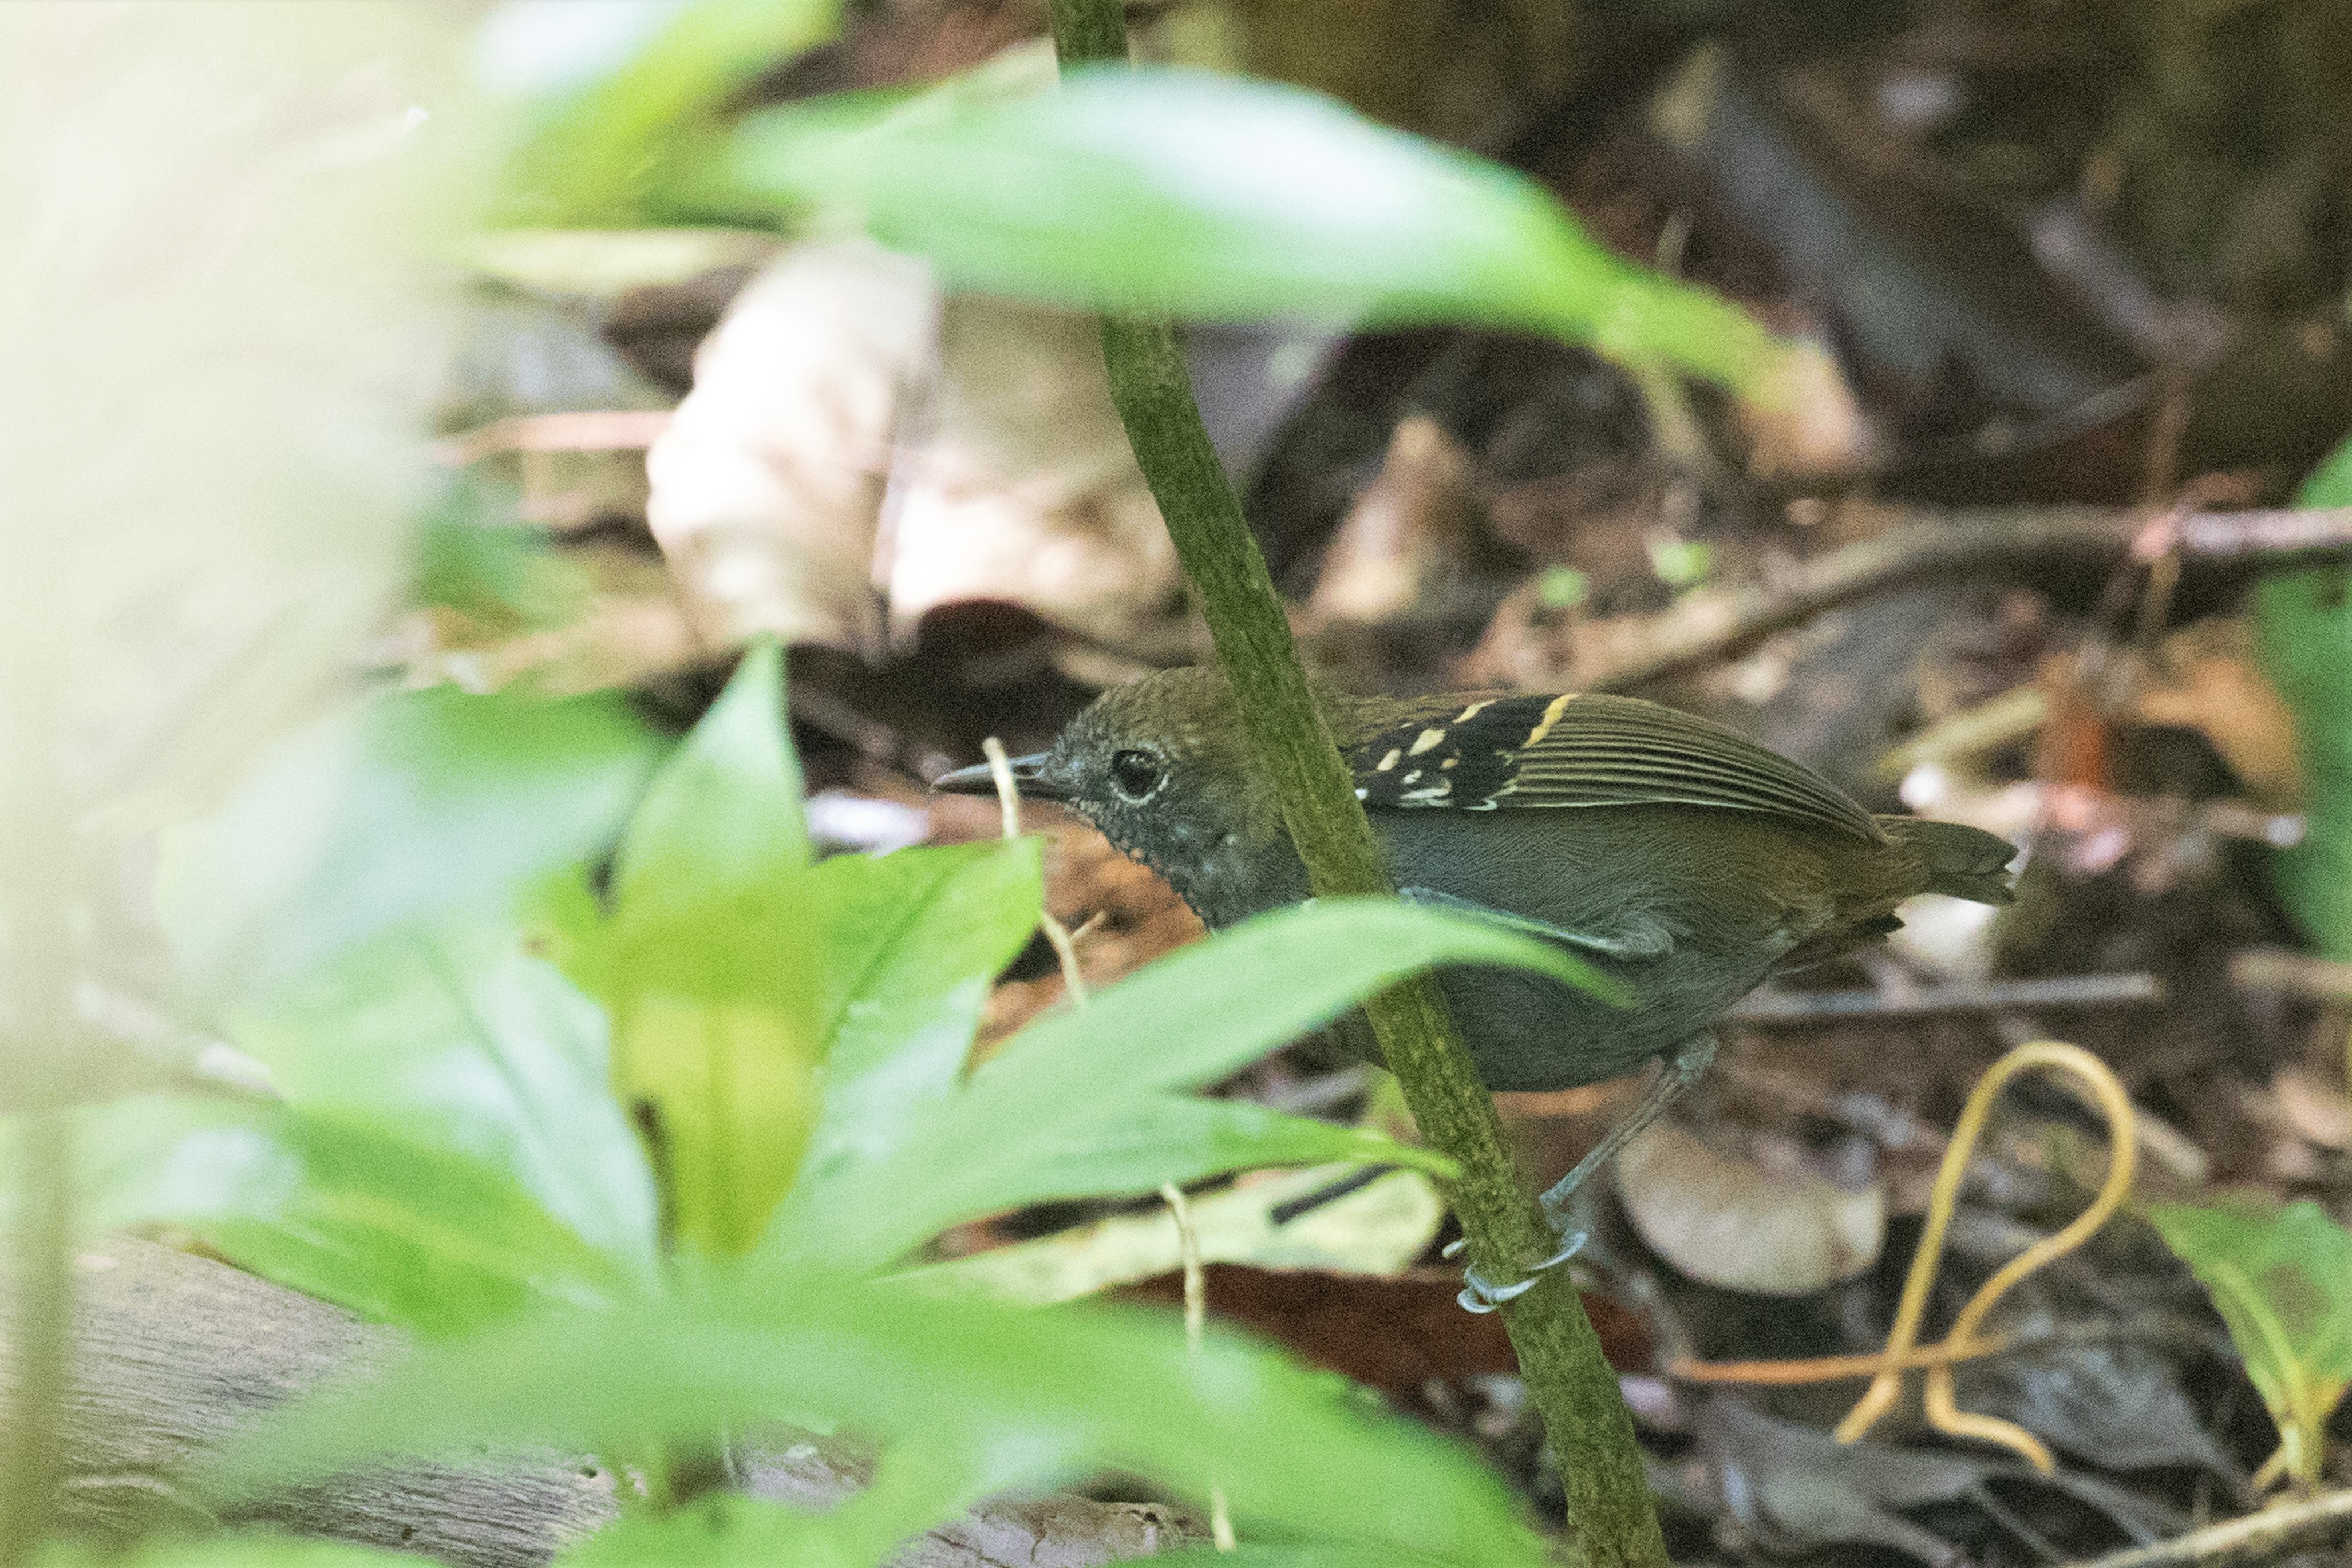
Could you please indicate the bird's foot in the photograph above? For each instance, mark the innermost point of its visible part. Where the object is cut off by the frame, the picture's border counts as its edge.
(1481, 1295)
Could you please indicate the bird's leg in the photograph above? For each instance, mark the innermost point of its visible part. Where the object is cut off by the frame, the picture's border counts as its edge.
(1683, 1068)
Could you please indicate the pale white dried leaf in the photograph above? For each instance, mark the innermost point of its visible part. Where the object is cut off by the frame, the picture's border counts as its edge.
(767, 487)
(1379, 1228)
(1729, 1220)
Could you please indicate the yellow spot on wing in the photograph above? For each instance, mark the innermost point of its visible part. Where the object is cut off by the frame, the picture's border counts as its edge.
(1391, 760)
(1424, 740)
(1551, 716)
(1472, 711)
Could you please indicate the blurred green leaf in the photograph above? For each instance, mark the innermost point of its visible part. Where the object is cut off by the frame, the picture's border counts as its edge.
(724, 816)
(409, 804)
(2283, 1281)
(708, 966)
(912, 941)
(728, 1530)
(455, 1037)
(1170, 192)
(476, 558)
(614, 143)
(339, 1208)
(228, 1549)
(1026, 1398)
(1095, 1089)
(2303, 623)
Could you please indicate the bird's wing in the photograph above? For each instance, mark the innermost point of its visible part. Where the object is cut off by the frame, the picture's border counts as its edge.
(1584, 749)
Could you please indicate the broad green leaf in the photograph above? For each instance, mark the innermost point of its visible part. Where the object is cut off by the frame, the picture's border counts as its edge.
(911, 943)
(2303, 623)
(612, 136)
(1012, 1397)
(708, 967)
(1208, 1008)
(2283, 1281)
(723, 816)
(341, 1209)
(411, 803)
(1078, 1152)
(454, 1038)
(1173, 192)
(228, 1549)
(1093, 1088)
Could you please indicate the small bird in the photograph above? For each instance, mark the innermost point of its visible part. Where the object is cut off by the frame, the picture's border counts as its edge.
(1672, 853)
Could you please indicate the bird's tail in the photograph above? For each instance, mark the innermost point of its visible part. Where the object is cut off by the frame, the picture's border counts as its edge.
(1961, 862)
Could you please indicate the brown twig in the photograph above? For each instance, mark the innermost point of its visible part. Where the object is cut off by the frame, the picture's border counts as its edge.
(2296, 974)
(1832, 1368)
(594, 430)
(2274, 1534)
(1917, 546)
(1965, 996)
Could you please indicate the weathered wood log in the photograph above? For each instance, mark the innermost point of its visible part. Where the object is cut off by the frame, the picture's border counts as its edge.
(175, 1353)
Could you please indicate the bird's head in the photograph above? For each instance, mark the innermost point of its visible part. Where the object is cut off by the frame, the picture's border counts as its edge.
(1160, 767)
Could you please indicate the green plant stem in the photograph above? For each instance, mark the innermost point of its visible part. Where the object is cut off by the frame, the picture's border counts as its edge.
(1611, 1517)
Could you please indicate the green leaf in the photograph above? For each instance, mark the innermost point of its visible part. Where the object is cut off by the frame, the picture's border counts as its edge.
(455, 1037)
(611, 146)
(474, 557)
(2283, 1281)
(708, 967)
(409, 804)
(2302, 624)
(228, 1549)
(1000, 1397)
(912, 942)
(1092, 1089)
(337, 1209)
(1170, 192)
(723, 818)
(728, 1530)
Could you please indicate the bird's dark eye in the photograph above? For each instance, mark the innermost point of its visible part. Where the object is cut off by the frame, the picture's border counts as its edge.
(1135, 774)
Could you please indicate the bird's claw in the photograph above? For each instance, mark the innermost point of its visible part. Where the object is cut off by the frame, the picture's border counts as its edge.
(1479, 1295)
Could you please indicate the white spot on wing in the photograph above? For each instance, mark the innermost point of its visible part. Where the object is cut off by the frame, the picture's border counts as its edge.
(1424, 740)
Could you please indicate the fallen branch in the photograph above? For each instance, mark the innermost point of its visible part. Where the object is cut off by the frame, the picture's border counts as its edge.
(173, 1353)
(2275, 1532)
(1918, 546)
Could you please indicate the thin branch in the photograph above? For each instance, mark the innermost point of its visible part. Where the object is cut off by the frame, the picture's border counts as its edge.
(1919, 546)
(2132, 987)
(2275, 1532)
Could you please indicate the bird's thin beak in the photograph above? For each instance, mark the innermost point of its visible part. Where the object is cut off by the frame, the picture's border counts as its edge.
(1028, 779)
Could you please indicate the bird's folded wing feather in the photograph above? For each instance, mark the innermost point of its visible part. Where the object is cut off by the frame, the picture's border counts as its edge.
(1584, 749)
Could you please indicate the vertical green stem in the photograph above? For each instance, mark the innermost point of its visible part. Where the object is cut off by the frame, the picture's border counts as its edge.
(1610, 1519)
